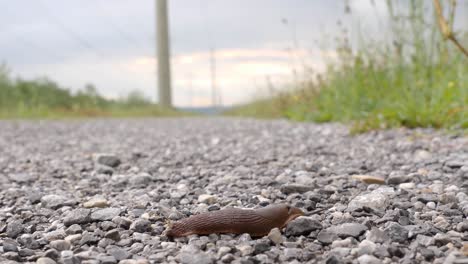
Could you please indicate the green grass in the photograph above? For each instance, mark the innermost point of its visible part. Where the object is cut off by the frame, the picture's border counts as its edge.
(416, 80)
(42, 98)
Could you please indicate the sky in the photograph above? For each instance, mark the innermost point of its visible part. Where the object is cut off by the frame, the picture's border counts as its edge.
(111, 43)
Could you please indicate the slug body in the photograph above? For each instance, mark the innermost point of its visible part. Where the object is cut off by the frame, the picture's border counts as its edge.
(256, 222)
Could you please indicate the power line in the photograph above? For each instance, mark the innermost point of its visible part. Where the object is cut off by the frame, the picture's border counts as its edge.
(81, 41)
(119, 30)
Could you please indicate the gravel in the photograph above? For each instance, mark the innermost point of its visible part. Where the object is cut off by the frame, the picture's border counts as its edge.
(102, 191)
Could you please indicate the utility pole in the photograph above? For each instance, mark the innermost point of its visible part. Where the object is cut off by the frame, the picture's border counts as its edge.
(163, 53)
(213, 77)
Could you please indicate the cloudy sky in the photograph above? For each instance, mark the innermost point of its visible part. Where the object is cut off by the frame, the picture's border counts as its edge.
(111, 43)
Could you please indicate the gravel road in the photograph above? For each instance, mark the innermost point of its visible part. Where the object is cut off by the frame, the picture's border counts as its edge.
(101, 191)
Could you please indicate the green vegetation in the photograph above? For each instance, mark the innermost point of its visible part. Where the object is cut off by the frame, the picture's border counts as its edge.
(411, 76)
(43, 98)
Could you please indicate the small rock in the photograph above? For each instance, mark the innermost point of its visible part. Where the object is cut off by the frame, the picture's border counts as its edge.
(107, 159)
(60, 245)
(96, 202)
(45, 260)
(292, 253)
(73, 239)
(397, 178)
(368, 259)
(245, 250)
(113, 234)
(396, 232)
(407, 185)
(77, 216)
(295, 188)
(375, 200)
(118, 253)
(222, 251)
(141, 225)
(366, 247)
(348, 230)
(261, 247)
(431, 205)
(54, 201)
(302, 226)
(9, 246)
(105, 214)
(74, 229)
(275, 236)
(122, 221)
(326, 237)
(22, 177)
(14, 228)
(195, 258)
(27, 241)
(377, 236)
(207, 199)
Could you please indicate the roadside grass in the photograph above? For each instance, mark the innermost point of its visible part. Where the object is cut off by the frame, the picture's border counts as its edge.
(412, 77)
(44, 99)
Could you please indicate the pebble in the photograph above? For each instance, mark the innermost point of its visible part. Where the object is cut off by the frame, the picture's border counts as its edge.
(141, 225)
(207, 199)
(77, 216)
(396, 232)
(348, 230)
(54, 201)
(105, 214)
(275, 236)
(368, 259)
(60, 245)
(14, 228)
(302, 226)
(110, 160)
(96, 202)
(45, 260)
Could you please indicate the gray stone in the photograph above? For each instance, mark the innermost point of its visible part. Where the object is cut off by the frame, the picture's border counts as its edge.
(396, 232)
(54, 201)
(77, 216)
(368, 259)
(113, 234)
(27, 241)
(60, 245)
(302, 226)
(110, 160)
(366, 247)
(261, 247)
(141, 225)
(275, 236)
(14, 228)
(45, 260)
(207, 198)
(295, 188)
(23, 177)
(119, 253)
(9, 245)
(96, 202)
(105, 214)
(196, 258)
(348, 230)
(397, 177)
(375, 200)
(326, 237)
(377, 236)
(74, 229)
(292, 253)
